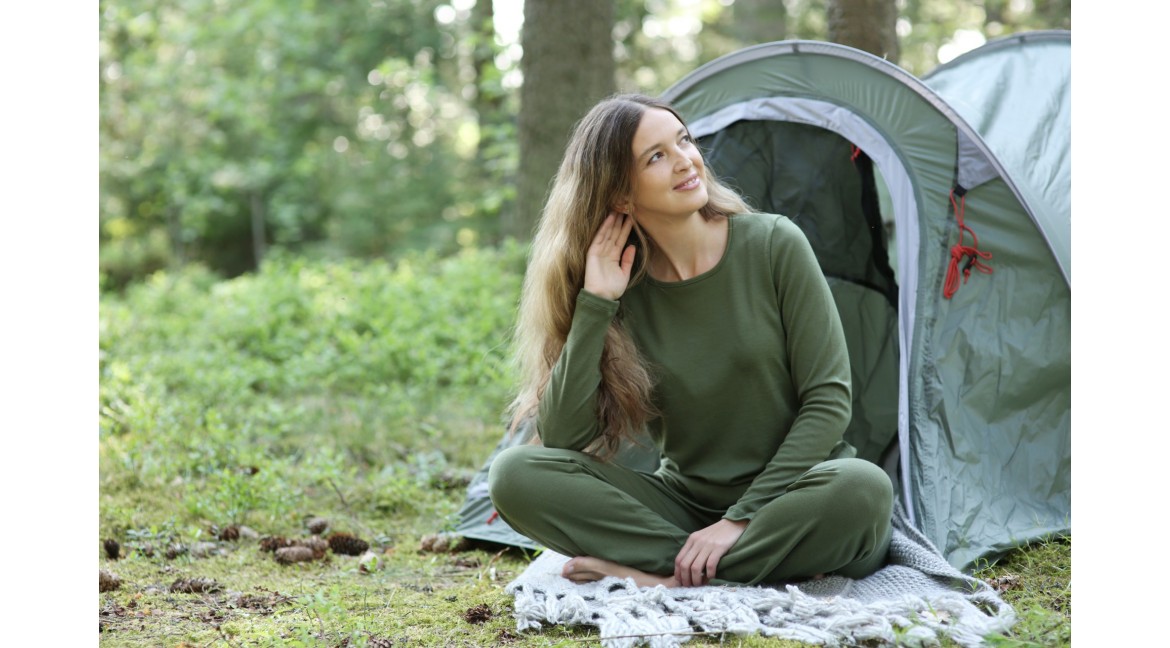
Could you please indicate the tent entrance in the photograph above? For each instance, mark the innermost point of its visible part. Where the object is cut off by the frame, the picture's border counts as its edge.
(828, 188)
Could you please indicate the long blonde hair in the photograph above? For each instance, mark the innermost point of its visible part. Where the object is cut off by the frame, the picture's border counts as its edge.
(597, 169)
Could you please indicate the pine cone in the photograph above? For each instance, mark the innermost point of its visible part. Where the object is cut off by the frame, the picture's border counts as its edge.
(443, 543)
(478, 614)
(174, 550)
(108, 581)
(205, 549)
(427, 544)
(317, 525)
(347, 544)
(272, 543)
(113, 549)
(195, 586)
(317, 545)
(248, 533)
(230, 533)
(379, 642)
(290, 555)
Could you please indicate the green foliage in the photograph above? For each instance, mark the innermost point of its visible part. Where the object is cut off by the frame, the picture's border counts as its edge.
(242, 395)
(298, 123)
(363, 129)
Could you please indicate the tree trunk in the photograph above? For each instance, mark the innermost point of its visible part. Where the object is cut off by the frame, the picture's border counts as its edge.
(489, 98)
(568, 66)
(759, 21)
(868, 25)
(258, 234)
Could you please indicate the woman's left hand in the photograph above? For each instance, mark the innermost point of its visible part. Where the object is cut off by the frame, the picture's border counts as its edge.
(698, 559)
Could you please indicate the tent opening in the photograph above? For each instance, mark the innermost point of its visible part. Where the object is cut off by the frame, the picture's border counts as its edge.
(829, 188)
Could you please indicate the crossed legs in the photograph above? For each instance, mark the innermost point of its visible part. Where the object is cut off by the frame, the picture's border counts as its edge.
(617, 522)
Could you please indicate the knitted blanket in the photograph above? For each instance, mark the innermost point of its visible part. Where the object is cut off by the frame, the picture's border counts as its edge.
(914, 600)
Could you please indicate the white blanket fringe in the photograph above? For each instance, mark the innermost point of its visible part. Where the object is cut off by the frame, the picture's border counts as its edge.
(913, 601)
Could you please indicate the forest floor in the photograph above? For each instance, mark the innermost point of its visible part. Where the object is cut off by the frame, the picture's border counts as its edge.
(236, 413)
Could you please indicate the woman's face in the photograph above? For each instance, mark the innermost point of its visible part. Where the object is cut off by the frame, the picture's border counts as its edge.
(668, 169)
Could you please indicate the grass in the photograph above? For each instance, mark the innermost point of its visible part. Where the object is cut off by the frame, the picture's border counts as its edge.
(365, 394)
(1037, 582)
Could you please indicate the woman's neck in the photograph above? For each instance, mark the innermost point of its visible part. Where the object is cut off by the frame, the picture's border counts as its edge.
(687, 248)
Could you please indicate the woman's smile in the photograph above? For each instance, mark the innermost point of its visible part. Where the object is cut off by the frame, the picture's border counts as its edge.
(688, 184)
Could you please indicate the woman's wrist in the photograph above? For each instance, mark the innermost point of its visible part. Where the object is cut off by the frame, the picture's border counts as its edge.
(600, 294)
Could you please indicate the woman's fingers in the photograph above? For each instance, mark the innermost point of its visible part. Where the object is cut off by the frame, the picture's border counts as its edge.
(627, 262)
(610, 237)
(698, 567)
(688, 566)
(602, 235)
(699, 557)
(626, 228)
(682, 564)
(712, 564)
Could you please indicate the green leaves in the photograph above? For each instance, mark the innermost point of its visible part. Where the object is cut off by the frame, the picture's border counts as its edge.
(215, 115)
(243, 397)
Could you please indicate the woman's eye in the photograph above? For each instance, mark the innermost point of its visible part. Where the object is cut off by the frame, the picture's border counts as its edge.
(654, 157)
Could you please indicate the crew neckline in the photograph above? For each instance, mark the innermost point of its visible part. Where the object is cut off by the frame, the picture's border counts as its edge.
(701, 276)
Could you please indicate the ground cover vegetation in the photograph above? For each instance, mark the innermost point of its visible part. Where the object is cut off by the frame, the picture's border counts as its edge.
(279, 450)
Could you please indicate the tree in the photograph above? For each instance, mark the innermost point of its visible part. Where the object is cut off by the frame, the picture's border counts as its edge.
(759, 21)
(568, 66)
(868, 25)
(227, 127)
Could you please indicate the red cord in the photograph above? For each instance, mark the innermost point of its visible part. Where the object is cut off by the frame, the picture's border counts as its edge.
(959, 251)
(856, 152)
(492, 517)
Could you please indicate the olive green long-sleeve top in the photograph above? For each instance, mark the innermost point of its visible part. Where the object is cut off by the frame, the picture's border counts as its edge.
(751, 366)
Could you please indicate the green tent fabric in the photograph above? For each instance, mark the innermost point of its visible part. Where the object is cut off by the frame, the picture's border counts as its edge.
(964, 400)
(1017, 93)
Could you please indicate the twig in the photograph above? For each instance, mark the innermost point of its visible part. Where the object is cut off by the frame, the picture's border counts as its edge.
(339, 495)
(693, 633)
(487, 569)
(497, 556)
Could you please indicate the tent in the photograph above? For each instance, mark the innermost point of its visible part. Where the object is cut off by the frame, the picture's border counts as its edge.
(939, 212)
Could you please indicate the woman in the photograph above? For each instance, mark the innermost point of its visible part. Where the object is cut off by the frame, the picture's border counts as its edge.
(655, 299)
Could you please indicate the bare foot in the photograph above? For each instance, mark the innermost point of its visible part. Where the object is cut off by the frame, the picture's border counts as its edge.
(586, 569)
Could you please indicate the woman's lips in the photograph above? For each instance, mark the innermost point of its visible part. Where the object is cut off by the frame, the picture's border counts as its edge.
(688, 184)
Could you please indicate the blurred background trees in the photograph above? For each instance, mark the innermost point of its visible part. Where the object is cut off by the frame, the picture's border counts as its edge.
(367, 128)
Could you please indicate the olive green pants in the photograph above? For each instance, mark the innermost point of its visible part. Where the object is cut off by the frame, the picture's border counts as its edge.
(833, 519)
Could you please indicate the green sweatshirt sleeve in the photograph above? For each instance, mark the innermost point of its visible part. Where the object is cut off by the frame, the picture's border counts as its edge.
(567, 415)
(818, 363)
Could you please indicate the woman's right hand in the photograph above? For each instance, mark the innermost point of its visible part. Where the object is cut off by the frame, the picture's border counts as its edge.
(609, 260)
